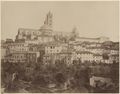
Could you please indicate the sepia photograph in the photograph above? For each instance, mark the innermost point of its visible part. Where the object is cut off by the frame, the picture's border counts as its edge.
(59, 47)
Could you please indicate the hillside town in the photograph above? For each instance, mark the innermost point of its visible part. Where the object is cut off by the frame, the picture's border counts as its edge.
(43, 60)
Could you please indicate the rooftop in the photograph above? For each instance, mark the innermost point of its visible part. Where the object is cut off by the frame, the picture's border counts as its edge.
(87, 38)
(84, 52)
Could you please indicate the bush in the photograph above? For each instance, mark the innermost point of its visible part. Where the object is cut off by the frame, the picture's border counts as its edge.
(40, 80)
(60, 78)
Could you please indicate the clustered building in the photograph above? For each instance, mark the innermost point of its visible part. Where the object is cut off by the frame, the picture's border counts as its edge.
(45, 44)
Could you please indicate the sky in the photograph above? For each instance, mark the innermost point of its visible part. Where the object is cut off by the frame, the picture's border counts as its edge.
(91, 18)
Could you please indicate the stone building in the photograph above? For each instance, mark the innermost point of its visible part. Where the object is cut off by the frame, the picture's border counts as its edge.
(22, 57)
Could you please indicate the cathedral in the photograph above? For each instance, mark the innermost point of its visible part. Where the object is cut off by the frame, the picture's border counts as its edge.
(47, 34)
(44, 34)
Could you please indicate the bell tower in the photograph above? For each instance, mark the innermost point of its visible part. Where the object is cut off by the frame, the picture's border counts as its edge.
(48, 20)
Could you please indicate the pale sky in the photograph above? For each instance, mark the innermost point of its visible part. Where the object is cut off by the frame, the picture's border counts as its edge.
(92, 19)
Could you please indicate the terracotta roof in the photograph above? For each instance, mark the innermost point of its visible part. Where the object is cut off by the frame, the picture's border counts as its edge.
(94, 47)
(97, 55)
(84, 52)
(65, 52)
(21, 52)
(87, 38)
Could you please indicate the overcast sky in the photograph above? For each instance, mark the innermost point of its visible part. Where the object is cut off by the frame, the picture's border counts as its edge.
(92, 19)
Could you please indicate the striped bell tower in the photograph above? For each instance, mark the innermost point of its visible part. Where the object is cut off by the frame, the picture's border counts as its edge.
(48, 20)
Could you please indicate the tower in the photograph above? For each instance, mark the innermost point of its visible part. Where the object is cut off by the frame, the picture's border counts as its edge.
(47, 28)
(48, 20)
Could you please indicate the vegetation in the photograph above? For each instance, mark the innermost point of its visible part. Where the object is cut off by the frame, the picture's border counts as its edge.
(40, 75)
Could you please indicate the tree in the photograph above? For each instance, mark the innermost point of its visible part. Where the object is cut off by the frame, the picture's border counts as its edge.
(75, 62)
(60, 78)
(115, 72)
(39, 80)
(40, 58)
(105, 56)
(82, 77)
